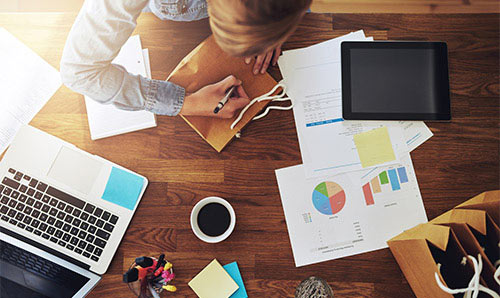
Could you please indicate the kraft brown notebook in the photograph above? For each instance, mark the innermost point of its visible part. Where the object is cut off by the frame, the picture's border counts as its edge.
(208, 64)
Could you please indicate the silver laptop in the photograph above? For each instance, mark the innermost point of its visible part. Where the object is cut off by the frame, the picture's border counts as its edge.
(63, 213)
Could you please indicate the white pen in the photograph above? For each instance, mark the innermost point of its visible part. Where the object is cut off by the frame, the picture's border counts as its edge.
(224, 100)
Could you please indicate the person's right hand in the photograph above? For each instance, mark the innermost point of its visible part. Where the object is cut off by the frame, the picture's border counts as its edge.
(204, 101)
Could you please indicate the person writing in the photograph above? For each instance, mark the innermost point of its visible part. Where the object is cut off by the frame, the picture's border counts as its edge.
(251, 29)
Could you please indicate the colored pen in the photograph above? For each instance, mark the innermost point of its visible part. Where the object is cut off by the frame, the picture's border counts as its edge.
(224, 100)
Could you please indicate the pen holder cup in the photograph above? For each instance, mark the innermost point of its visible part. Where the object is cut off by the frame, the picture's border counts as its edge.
(136, 286)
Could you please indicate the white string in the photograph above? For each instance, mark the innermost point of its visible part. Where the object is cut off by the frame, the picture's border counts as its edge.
(268, 96)
(474, 287)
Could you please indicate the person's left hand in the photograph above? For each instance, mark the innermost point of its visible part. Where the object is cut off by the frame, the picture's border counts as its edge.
(262, 61)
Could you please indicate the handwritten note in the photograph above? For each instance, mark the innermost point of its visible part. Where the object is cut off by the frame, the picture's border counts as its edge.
(374, 147)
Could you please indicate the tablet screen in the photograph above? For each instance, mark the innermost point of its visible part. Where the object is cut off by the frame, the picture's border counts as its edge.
(390, 82)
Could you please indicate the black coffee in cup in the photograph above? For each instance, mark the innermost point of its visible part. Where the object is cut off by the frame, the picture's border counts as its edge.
(213, 219)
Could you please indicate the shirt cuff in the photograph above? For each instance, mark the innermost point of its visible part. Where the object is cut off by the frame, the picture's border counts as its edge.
(162, 97)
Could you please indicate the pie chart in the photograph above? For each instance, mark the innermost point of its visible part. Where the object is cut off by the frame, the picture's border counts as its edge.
(328, 198)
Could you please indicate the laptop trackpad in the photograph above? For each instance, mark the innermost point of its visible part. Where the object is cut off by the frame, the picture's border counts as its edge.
(75, 169)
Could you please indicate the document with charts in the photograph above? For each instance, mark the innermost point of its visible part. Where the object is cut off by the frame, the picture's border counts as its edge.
(313, 79)
(336, 216)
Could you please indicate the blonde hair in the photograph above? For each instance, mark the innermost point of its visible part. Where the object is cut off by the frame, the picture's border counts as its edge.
(246, 28)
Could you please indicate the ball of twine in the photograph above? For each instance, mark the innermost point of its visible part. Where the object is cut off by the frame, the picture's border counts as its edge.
(313, 287)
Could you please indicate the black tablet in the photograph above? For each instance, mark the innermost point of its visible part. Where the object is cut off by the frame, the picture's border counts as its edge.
(395, 81)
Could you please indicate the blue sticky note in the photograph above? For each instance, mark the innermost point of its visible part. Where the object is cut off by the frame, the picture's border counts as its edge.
(234, 272)
(123, 188)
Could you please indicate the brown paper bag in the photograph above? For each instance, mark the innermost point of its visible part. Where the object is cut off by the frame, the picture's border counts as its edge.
(208, 64)
(418, 251)
(488, 201)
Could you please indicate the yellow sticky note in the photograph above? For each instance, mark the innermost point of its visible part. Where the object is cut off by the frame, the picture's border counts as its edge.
(213, 282)
(374, 147)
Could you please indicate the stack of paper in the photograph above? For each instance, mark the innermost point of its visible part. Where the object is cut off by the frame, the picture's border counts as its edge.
(27, 82)
(356, 188)
(215, 281)
(107, 120)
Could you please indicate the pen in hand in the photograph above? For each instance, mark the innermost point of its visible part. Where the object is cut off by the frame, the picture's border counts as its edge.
(224, 100)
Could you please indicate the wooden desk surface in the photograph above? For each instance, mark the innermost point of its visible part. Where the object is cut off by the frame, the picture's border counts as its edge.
(461, 160)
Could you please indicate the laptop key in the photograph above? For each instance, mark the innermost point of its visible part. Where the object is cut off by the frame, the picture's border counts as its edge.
(68, 209)
(89, 208)
(31, 192)
(61, 243)
(106, 215)
(12, 212)
(70, 247)
(33, 182)
(18, 176)
(4, 209)
(51, 220)
(12, 171)
(45, 236)
(23, 198)
(38, 232)
(98, 212)
(68, 218)
(90, 238)
(59, 224)
(98, 251)
(30, 202)
(76, 212)
(35, 213)
(13, 221)
(108, 227)
(66, 228)
(66, 237)
(46, 199)
(53, 202)
(92, 229)
(23, 188)
(53, 239)
(7, 191)
(86, 254)
(51, 231)
(19, 207)
(74, 240)
(43, 227)
(4, 200)
(84, 216)
(61, 205)
(13, 204)
(38, 195)
(35, 223)
(19, 216)
(11, 183)
(41, 186)
(78, 251)
(94, 258)
(28, 210)
(82, 235)
(74, 231)
(92, 219)
(61, 215)
(5, 218)
(99, 223)
(29, 229)
(99, 242)
(21, 225)
(90, 248)
(58, 234)
(84, 226)
(82, 244)
(27, 220)
(43, 217)
(38, 205)
(15, 195)
(53, 211)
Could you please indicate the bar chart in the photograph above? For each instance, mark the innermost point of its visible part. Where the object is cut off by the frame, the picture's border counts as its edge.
(388, 180)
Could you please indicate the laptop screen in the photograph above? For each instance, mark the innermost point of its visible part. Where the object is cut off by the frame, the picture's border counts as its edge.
(28, 275)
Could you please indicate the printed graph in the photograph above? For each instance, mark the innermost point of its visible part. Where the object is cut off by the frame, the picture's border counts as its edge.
(389, 180)
(328, 198)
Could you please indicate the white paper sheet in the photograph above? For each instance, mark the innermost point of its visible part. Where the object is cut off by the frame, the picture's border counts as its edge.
(27, 82)
(107, 120)
(313, 79)
(337, 219)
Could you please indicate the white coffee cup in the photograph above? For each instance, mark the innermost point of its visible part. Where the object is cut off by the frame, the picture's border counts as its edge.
(194, 219)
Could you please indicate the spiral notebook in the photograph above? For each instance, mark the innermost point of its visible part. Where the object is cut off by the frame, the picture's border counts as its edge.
(208, 64)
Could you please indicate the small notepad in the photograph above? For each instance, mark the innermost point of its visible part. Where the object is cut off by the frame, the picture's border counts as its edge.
(213, 282)
(374, 147)
(234, 271)
(123, 188)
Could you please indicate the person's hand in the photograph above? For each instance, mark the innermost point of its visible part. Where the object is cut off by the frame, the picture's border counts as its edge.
(262, 61)
(204, 101)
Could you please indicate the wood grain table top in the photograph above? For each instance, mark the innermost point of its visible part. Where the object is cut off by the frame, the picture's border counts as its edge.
(458, 162)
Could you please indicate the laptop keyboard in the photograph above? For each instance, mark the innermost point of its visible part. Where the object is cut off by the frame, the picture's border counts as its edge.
(33, 263)
(54, 215)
